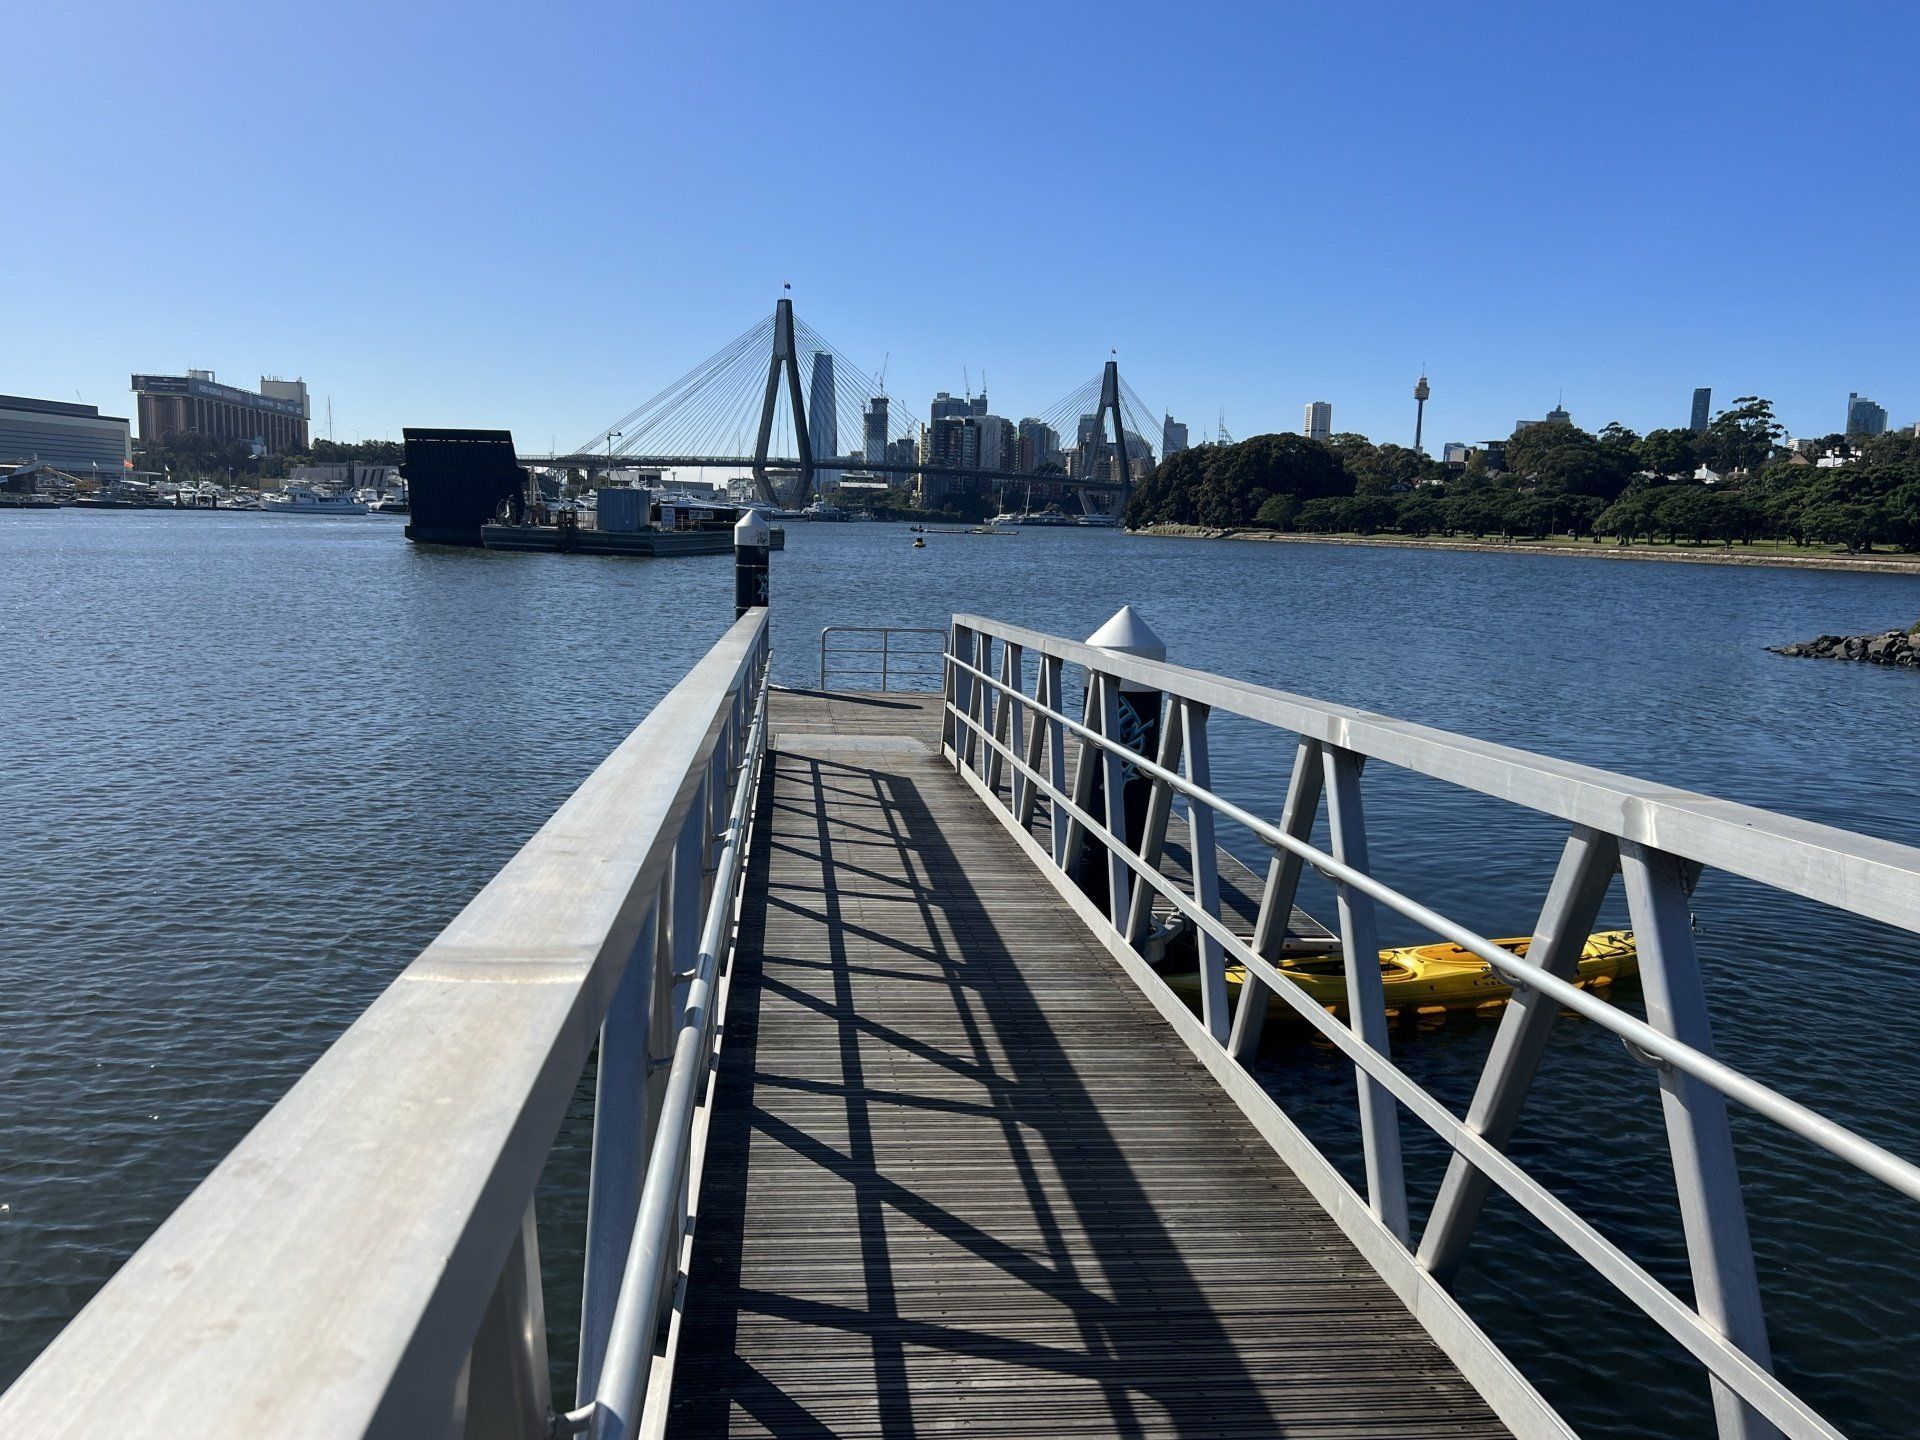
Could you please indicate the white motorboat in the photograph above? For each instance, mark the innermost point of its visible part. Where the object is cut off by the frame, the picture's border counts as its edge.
(309, 502)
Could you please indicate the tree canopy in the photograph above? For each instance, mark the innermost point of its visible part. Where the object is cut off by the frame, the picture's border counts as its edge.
(1558, 480)
(1228, 484)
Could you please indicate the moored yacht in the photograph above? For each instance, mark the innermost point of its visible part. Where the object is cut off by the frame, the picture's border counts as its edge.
(310, 502)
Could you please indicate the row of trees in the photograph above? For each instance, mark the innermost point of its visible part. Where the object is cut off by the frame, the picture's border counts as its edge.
(1558, 480)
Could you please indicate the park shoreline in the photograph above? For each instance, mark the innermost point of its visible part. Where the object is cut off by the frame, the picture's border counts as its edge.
(1869, 564)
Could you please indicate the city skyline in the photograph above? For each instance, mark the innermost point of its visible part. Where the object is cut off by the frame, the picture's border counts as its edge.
(497, 265)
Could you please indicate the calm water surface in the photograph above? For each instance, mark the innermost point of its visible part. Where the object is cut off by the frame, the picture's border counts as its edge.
(254, 763)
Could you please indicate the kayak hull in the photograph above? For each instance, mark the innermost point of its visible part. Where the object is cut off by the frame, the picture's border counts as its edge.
(1430, 979)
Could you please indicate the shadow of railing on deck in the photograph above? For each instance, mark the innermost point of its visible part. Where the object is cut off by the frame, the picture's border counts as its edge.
(997, 1054)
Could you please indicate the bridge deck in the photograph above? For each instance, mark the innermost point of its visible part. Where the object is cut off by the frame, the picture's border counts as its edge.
(961, 1176)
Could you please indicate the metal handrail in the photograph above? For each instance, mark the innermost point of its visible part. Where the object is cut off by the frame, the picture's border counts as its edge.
(984, 739)
(886, 650)
(1871, 877)
(624, 1399)
(363, 1262)
(1856, 1150)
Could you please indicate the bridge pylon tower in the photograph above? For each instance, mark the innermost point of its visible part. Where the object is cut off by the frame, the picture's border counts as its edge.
(1110, 405)
(783, 354)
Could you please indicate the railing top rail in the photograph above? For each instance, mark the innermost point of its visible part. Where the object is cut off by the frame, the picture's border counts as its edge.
(887, 652)
(1876, 878)
(326, 1278)
(883, 630)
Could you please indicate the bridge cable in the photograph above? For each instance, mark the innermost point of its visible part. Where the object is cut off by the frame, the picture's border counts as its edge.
(644, 416)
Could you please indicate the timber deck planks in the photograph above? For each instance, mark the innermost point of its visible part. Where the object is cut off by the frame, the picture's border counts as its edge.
(960, 1177)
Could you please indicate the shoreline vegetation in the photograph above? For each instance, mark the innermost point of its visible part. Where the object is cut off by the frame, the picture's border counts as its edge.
(1811, 557)
(1734, 493)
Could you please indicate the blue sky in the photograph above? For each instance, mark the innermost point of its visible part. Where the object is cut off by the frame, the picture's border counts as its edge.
(471, 214)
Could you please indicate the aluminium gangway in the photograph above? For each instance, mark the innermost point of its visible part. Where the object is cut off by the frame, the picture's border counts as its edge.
(895, 1131)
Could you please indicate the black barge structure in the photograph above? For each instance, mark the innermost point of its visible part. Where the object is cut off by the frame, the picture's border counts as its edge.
(469, 488)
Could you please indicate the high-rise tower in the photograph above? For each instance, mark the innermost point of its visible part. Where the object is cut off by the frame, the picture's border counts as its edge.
(876, 435)
(1702, 403)
(1420, 393)
(1864, 417)
(821, 426)
(823, 429)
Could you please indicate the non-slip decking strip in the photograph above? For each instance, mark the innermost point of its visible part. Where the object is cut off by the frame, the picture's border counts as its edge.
(961, 1177)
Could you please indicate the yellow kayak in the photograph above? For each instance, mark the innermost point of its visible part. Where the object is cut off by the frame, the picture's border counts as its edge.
(1430, 979)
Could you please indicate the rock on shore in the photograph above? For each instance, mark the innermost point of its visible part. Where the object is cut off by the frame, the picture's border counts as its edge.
(1894, 647)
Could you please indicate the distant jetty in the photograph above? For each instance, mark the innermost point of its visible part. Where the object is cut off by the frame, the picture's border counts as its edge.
(1889, 647)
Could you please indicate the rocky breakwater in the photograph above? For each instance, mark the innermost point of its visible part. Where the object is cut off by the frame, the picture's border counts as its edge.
(1892, 647)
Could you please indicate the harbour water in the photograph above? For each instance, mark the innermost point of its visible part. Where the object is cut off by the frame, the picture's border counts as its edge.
(254, 763)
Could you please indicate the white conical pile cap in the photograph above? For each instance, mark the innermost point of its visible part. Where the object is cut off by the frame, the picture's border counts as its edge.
(752, 530)
(1130, 635)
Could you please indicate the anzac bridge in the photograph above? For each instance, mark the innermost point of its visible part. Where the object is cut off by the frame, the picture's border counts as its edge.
(726, 414)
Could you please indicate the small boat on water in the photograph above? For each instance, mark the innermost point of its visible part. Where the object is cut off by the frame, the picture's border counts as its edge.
(1430, 979)
(919, 542)
(1041, 518)
(310, 502)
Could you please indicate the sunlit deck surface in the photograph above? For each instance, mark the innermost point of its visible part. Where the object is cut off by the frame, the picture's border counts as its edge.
(962, 1177)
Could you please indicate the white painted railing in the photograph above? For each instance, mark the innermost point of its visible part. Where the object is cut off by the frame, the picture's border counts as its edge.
(1012, 743)
(364, 1263)
(918, 666)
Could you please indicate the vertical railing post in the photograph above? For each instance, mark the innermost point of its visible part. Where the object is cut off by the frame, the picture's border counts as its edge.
(1005, 715)
(719, 791)
(689, 890)
(506, 1394)
(1026, 744)
(1272, 922)
(1587, 863)
(1085, 756)
(956, 691)
(886, 636)
(1713, 1213)
(1113, 786)
(981, 711)
(1206, 870)
(675, 978)
(1153, 834)
(689, 911)
(622, 1135)
(1366, 1000)
(1054, 673)
(1033, 750)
